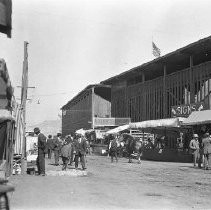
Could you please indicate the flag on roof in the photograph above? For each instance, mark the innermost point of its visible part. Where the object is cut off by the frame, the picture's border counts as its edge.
(155, 50)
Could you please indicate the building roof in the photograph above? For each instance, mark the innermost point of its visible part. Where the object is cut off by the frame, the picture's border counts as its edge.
(174, 61)
(103, 90)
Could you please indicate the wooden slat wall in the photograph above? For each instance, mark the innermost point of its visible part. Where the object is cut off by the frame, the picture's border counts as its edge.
(144, 101)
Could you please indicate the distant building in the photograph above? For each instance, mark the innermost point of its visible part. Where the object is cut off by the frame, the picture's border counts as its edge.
(91, 108)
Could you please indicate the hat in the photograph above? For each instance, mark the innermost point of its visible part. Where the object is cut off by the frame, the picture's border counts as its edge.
(36, 130)
(195, 135)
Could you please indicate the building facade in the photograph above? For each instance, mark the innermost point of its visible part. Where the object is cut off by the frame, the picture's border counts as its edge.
(93, 101)
(151, 91)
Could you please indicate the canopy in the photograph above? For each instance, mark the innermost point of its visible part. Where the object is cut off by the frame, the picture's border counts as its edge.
(198, 117)
(81, 131)
(118, 129)
(171, 122)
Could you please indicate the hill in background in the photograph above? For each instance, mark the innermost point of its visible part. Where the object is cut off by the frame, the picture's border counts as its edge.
(47, 127)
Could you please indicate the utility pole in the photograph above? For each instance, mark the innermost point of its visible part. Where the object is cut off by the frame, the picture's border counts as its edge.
(23, 106)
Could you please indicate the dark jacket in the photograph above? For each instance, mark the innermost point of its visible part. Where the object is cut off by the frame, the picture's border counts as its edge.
(66, 150)
(41, 143)
(80, 147)
(50, 144)
(206, 142)
(56, 144)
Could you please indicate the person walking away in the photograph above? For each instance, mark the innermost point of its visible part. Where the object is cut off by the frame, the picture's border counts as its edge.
(80, 151)
(206, 143)
(56, 148)
(41, 151)
(194, 147)
(66, 151)
(49, 146)
(113, 150)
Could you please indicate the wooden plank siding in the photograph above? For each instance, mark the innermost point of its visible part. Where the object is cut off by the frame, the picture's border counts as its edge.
(144, 100)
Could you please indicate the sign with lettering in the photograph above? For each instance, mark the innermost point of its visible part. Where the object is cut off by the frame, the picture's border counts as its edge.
(185, 110)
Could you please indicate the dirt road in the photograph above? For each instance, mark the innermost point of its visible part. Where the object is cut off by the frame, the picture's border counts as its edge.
(149, 185)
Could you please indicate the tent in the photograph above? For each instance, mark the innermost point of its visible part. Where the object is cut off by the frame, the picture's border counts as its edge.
(198, 117)
(118, 129)
(170, 122)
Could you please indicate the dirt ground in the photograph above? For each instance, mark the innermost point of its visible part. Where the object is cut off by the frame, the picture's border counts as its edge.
(149, 185)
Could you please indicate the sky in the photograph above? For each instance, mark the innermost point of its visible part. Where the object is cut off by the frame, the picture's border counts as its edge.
(74, 43)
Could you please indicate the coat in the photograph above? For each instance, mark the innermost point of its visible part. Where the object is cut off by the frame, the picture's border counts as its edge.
(56, 144)
(194, 145)
(50, 144)
(66, 150)
(41, 143)
(80, 147)
(206, 142)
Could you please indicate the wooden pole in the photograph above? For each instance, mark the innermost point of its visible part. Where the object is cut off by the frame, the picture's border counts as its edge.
(164, 93)
(192, 100)
(23, 107)
(93, 109)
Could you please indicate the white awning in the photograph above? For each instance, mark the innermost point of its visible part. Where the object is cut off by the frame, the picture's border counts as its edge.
(171, 122)
(118, 129)
(198, 117)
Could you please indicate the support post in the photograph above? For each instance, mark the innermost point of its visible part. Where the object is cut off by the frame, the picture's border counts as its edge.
(144, 97)
(93, 109)
(23, 107)
(164, 93)
(192, 99)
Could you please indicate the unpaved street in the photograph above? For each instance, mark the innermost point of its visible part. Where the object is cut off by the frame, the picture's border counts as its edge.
(150, 185)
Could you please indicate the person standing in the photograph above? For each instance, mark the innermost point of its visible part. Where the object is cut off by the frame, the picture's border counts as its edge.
(113, 150)
(49, 146)
(41, 151)
(194, 146)
(206, 143)
(80, 148)
(66, 151)
(56, 149)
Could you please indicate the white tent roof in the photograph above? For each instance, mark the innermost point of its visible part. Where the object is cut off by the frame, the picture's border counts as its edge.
(118, 129)
(171, 122)
(198, 117)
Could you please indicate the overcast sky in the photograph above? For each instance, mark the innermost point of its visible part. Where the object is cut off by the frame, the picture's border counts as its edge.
(76, 43)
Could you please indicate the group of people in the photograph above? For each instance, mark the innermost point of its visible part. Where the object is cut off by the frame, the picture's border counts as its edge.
(70, 149)
(201, 150)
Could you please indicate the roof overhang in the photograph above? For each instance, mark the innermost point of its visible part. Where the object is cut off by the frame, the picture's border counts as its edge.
(174, 61)
(198, 118)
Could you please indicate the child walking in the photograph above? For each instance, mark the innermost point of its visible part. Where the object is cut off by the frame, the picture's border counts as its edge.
(66, 151)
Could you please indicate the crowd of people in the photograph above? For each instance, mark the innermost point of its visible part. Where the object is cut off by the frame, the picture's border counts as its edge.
(201, 150)
(70, 149)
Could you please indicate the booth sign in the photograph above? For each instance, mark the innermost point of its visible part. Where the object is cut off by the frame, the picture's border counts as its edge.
(186, 110)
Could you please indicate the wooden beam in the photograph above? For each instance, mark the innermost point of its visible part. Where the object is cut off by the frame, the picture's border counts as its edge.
(164, 92)
(192, 100)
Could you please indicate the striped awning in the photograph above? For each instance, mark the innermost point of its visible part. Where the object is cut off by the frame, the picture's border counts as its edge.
(198, 117)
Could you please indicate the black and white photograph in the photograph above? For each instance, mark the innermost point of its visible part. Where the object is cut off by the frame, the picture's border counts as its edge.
(105, 104)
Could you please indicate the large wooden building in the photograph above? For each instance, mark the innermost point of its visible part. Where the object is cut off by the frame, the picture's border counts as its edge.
(151, 90)
(89, 109)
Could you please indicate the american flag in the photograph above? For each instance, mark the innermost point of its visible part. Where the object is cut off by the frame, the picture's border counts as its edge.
(155, 50)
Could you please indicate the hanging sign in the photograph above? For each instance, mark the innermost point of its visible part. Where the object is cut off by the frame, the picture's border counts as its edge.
(185, 110)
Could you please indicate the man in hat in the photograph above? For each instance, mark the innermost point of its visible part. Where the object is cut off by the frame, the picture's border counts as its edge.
(80, 148)
(41, 151)
(194, 147)
(206, 143)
